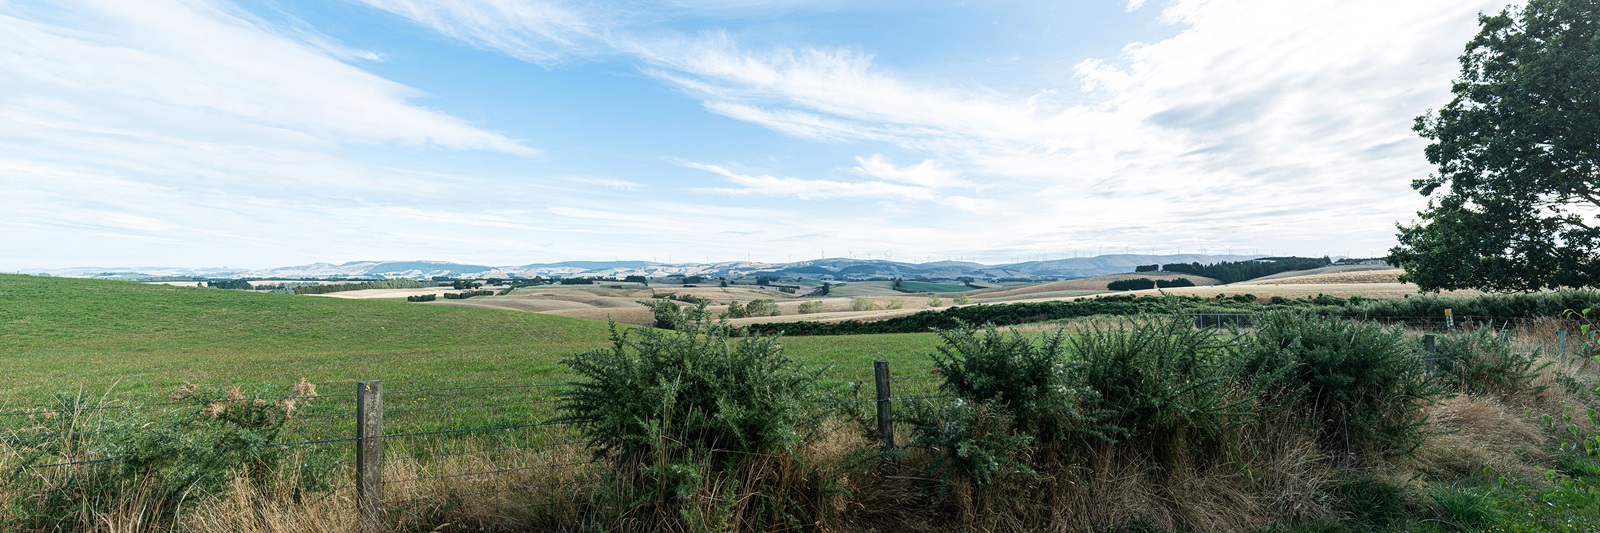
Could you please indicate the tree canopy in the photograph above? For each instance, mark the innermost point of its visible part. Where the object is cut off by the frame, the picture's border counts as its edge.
(1513, 203)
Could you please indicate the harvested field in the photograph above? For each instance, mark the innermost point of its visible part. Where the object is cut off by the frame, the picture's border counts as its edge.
(1333, 274)
(1308, 290)
(1096, 284)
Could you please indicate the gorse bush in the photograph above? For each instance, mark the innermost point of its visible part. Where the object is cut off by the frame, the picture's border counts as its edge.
(1480, 362)
(807, 308)
(1162, 386)
(1361, 386)
(673, 412)
(1008, 378)
(862, 304)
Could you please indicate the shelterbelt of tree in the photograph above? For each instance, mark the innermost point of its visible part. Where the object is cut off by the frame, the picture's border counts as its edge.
(1419, 309)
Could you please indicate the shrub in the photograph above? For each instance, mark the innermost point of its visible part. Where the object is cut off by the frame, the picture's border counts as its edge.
(762, 307)
(862, 304)
(807, 308)
(669, 315)
(895, 304)
(1479, 362)
(672, 412)
(963, 299)
(1163, 387)
(422, 297)
(934, 301)
(1360, 386)
(735, 310)
(1028, 384)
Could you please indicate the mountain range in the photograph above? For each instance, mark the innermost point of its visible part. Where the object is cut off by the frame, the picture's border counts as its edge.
(829, 268)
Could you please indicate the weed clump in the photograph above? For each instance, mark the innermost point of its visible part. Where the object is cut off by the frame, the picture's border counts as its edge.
(1481, 362)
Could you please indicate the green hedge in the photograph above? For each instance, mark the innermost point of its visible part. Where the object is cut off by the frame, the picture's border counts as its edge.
(1420, 309)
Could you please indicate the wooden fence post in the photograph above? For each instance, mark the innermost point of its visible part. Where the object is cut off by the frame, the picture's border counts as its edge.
(1428, 343)
(880, 371)
(369, 454)
(1561, 343)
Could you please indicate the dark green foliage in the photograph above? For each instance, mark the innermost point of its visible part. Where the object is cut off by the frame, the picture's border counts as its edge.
(1154, 389)
(1361, 386)
(1232, 271)
(1131, 284)
(461, 284)
(667, 409)
(636, 279)
(1164, 387)
(762, 307)
(576, 281)
(1028, 382)
(977, 442)
(341, 287)
(466, 294)
(422, 297)
(1479, 362)
(1372, 503)
(1517, 152)
(1147, 268)
(693, 279)
(232, 284)
(1179, 282)
(669, 315)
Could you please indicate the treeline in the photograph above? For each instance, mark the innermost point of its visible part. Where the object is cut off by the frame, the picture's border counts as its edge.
(1232, 271)
(467, 294)
(1147, 283)
(1421, 309)
(380, 284)
(422, 298)
(231, 284)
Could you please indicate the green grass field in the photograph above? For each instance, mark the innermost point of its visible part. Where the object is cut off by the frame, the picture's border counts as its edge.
(61, 334)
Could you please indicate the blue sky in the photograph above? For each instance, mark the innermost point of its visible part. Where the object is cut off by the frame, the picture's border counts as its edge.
(256, 134)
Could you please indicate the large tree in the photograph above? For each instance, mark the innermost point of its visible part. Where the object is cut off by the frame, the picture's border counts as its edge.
(1514, 201)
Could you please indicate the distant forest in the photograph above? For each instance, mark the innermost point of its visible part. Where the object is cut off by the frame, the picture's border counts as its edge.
(1232, 271)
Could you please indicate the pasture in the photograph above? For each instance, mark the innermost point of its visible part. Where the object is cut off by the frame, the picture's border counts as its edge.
(146, 340)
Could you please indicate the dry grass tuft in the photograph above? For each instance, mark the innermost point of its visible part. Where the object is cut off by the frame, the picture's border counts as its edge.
(1467, 434)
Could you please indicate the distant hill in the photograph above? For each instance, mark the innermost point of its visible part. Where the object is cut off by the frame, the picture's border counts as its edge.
(836, 268)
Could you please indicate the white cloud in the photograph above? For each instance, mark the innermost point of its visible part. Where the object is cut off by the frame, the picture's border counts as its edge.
(147, 52)
(804, 189)
(925, 174)
(541, 31)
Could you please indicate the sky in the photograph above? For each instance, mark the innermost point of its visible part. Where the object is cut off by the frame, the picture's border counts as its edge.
(208, 133)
